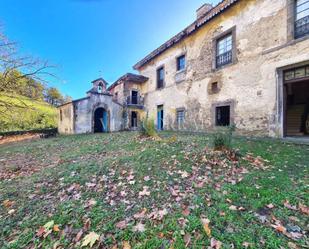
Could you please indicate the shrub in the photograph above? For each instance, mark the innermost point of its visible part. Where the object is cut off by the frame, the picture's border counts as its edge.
(222, 138)
(148, 127)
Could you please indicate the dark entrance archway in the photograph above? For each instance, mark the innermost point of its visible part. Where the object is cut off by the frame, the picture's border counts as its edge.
(133, 120)
(100, 120)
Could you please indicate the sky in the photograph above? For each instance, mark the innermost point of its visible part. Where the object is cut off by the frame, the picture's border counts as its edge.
(88, 39)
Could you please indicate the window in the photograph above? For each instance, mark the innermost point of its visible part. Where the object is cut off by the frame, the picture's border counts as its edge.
(116, 96)
(60, 115)
(181, 63)
(160, 77)
(214, 87)
(223, 116)
(224, 50)
(180, 117)
(301, 18)
(100, 88)
(134, 97)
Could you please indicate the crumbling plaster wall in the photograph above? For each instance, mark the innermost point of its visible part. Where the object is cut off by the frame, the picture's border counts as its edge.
(262, 46)
(65, 120)
(84, 111)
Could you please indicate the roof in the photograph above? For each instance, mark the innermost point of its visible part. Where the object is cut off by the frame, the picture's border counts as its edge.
(196, 25)
(99, 79)
(129, 77)
(73, 101)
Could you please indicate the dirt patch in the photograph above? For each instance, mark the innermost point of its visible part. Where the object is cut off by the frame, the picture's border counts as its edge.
(23, 165)
(19, 138)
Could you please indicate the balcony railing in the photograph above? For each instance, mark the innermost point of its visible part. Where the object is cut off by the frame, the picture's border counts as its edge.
(135, 101)
(224, 59)
(302, 27)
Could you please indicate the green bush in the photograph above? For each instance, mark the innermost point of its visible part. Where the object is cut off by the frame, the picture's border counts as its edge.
(222, 138)
(148, 127)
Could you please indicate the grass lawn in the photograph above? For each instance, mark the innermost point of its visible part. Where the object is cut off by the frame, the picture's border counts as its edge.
(121, 191)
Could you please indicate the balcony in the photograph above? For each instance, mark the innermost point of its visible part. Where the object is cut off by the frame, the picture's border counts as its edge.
(135, 101)
(302, 27)
(224, 59)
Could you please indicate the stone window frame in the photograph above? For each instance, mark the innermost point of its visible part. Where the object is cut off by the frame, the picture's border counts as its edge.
(291, 18)
(177, 58)
(181, 109)
(215, 40)
(214, 106)
(157, 77)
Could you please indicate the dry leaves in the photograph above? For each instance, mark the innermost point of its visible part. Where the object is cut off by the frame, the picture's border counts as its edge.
(144, 192)
(90, 239)
(139, 228)
(205, 223)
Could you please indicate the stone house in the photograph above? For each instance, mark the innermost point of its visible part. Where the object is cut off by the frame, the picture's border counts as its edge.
(241, 62)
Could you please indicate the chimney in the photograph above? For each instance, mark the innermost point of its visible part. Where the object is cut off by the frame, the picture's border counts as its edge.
(203, 10)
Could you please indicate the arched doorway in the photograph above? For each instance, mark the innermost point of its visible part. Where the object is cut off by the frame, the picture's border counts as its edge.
(100, 120)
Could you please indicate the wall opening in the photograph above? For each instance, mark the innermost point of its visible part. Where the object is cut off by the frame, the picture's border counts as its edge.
(223, 115)
(133, 119)
(100, 120)
(134, 97)
(297, 108)
(160, 117)
(296, 101)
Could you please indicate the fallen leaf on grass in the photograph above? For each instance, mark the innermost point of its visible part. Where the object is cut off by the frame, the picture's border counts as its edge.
(279, 228)
(11, 211)
(79, 235)
(139, 228)
(90, 203)
(145, 192)
(233, 208)
(90, 239)
(304, 209)
(205, 223)
(140, 215)
(121, 224)
(126, 245)
(40, 232)
(216, 244)
(270, 206)
(146, 178)
(186, 211)
(8, 203)
(49, 225)
(291, 245)
(289, 206)
(187, 239)
(56, 228)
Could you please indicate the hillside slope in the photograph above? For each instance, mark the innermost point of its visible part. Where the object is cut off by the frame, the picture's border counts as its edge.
(33, 115)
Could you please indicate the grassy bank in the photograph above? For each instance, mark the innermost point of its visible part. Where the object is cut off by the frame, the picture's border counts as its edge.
(30, 115)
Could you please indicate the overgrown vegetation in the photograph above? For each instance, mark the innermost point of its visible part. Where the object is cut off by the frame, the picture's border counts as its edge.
(24, 90)
(122, 191)
(222, 137)
(39, 115)
(148, 127)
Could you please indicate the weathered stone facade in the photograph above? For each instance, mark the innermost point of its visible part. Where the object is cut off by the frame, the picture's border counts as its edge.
(251, 85)
(78, 116)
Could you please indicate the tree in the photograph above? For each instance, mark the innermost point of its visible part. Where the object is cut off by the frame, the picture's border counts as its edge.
(20, 74)
(53, 96)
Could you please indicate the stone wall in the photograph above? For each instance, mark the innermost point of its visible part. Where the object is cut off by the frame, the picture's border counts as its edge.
(251, 82)
(79, 115)
(66, 119)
